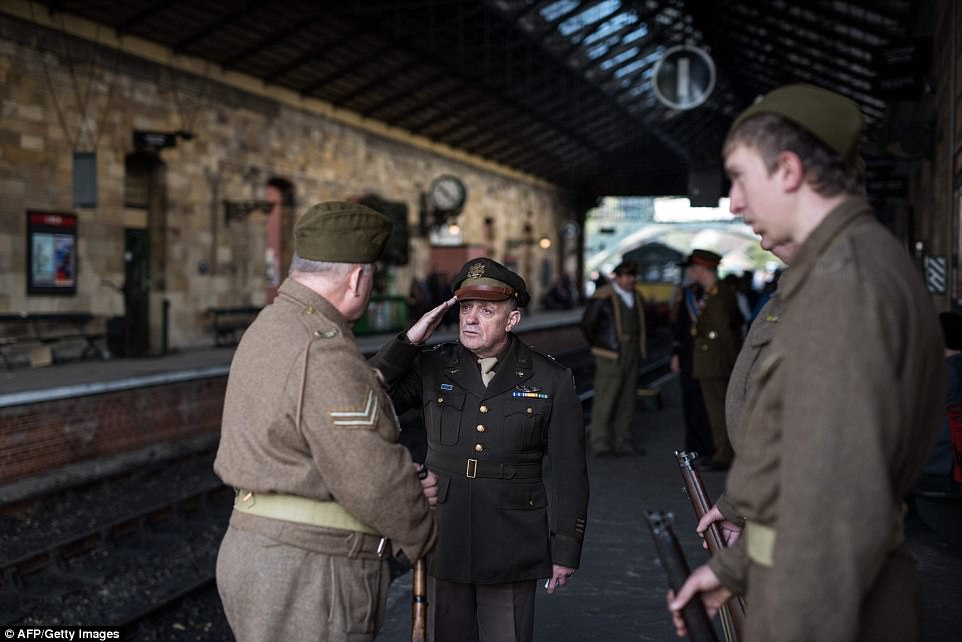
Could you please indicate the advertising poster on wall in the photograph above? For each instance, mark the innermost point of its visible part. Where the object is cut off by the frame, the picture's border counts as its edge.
(51, 253)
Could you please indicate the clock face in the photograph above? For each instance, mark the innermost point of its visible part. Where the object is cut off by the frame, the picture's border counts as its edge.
(447, 193)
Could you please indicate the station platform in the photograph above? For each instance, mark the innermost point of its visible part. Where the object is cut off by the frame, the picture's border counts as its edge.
(618, 594)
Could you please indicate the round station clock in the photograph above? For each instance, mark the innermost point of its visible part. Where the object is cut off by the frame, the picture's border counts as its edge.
(447, 193)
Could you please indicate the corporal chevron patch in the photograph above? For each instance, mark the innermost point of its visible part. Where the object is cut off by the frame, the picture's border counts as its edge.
(358, 418)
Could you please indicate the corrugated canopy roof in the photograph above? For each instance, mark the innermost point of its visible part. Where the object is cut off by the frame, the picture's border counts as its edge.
(561, 89)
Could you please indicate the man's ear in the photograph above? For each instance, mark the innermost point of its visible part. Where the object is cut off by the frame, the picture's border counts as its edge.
(514, 318)
(790, 170)
(354, 279)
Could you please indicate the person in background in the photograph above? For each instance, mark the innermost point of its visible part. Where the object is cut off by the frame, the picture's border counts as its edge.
(309, 440)
(846, 401)
(716, 330)
(506, 438)
(613, 323)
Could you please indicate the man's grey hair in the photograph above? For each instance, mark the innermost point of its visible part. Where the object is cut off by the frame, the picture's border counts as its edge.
(326, 268)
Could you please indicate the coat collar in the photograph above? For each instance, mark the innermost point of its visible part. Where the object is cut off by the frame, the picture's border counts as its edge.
(312, 304)
(818, 242)
(513, 368)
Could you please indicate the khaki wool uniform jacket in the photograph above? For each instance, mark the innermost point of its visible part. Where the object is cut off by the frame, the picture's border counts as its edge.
(760, 335)
(306, 415)
(840, 420)
(508, 523)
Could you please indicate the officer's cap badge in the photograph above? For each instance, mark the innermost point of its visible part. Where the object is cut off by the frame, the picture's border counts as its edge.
(476, 271)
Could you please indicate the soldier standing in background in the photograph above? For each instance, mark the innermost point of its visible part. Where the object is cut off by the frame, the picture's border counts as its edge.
(310, 441)
(846, 400)
(716, 329)
(614, 325)
(506, 438)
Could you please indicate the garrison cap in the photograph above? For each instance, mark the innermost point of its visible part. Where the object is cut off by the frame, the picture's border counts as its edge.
(951, 329)
(705, 258)
(341, 232)
(832, 118)
(488, 280)
(626, 267)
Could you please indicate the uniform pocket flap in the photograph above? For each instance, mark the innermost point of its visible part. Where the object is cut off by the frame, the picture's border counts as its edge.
(518, 496)
(527, 407)
(452, 398)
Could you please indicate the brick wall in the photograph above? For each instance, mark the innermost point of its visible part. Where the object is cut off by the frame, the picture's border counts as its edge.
(41, 437)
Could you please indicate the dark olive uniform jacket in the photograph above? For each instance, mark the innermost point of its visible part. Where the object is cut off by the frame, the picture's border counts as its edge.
(840, 419)
(512, 528)
(718, 335)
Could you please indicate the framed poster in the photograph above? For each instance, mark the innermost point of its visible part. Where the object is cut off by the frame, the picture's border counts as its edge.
(51, 253)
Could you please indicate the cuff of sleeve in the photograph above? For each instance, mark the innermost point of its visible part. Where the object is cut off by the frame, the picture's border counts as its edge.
(727, 509)
(730, 565)
(565, 550)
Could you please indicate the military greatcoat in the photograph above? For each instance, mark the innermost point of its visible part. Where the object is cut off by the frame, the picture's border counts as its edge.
(501, 520)
(306, 415)
(841, 417)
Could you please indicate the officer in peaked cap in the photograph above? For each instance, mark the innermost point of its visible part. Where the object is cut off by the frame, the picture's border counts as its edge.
(844, 407)
(309, 441)
(705, 258)
(716, 331)
(493, 409)
(487, 280)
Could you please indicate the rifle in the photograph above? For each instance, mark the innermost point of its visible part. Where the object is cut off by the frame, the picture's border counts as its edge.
(673, 561)
(732, 615)
(419, 602)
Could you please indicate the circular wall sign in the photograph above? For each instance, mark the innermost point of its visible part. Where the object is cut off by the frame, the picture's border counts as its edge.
(683, 77)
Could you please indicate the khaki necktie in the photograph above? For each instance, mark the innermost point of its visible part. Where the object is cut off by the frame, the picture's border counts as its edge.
(487, 369)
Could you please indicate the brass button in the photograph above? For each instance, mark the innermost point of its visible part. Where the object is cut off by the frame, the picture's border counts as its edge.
(483, 409)
(309, 309)
(529, 410)
(481, 428)
(479, 448)
(440, 399)
(712, 334)
(530, 502)
(520, 373)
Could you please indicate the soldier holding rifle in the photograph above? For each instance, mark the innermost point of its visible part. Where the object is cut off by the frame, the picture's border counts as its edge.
(846, 400)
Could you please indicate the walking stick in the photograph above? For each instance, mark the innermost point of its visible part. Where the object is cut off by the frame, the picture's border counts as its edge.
(419, 602)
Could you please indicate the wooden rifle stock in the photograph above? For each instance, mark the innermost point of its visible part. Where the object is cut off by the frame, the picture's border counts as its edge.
(419, 602)
(733, 613)
(676, 567)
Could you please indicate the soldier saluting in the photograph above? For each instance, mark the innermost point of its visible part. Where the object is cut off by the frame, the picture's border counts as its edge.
(494, 411)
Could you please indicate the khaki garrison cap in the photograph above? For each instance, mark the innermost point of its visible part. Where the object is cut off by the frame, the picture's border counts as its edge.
(832, 118)
(488, 280)
(341, 232)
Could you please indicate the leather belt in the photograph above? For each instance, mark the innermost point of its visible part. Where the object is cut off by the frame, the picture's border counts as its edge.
(472, 468)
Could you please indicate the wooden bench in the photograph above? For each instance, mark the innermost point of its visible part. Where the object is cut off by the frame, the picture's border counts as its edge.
(229, 323)
(45, 335)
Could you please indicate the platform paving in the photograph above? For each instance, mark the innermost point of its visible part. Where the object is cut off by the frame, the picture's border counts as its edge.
(619, 592)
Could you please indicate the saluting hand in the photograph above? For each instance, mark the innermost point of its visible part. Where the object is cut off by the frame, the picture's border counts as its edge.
(425, 326)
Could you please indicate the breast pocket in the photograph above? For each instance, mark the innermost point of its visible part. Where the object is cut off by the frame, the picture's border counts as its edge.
(442, 417)
(525, 421)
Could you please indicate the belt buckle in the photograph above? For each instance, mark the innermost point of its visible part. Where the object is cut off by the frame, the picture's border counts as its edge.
(472, 470)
